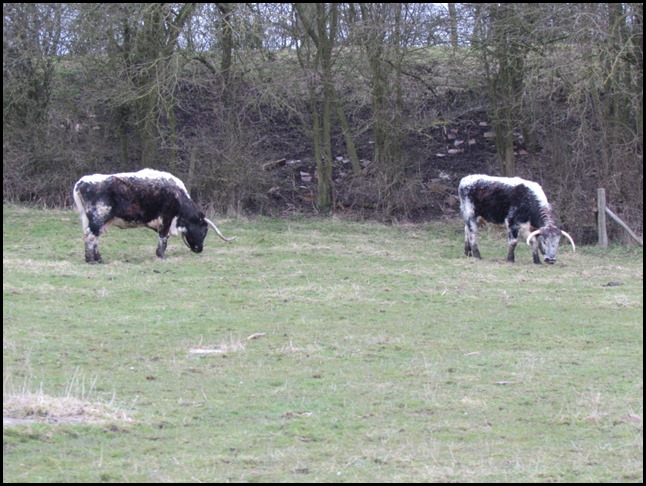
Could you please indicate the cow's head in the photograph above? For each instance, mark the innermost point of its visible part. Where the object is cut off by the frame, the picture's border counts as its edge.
(194, 229)
(547, 240)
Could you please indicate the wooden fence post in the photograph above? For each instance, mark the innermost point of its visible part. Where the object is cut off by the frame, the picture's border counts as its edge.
(601, 218)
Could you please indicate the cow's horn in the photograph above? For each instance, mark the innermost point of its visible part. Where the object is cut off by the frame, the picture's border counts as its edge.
(569, 238)
(184, 240)
(531, 235)
(212, 225)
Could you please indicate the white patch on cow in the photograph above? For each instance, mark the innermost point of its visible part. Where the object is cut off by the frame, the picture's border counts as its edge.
(174, 230)
(173, 227)
(524, 229)
(156, 174)
(157, 222)
(467, 208)
(509, 181)
(142, 174)
(102, 210)
(94, 178)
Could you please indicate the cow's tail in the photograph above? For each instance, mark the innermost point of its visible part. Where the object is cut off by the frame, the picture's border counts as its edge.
(80, 206)
(78, 202)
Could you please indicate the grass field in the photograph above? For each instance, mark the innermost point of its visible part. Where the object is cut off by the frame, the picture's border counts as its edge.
(317, 350)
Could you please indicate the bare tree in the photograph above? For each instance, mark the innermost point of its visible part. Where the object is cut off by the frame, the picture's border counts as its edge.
(141, 42)
(504, 47)
(319, 24)
(33, 40)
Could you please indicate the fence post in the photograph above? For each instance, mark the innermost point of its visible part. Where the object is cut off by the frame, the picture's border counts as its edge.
(601, 217)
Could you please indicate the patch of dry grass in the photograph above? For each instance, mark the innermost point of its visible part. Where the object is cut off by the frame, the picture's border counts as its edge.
(19, 405)
(39, 407)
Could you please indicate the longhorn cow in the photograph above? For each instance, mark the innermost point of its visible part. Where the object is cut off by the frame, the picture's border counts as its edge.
(520, 204)
(148, 198)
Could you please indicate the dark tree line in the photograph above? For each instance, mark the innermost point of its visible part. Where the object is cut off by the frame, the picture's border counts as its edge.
(213, 92)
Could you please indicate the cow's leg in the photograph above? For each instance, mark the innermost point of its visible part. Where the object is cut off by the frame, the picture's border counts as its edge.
(91, 247)
(471, 239)
(164, 233)
(534, 245)
(93, 228)
(512, 235)
(511, 257)
(513, 230)
(161, 247)
(535, 255)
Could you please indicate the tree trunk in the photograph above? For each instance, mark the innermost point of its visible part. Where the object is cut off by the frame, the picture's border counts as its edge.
(320, 23)
(504, 54)
(453, 22)
(347, 135)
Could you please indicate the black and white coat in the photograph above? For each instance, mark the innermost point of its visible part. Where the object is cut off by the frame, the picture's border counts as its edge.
(519, 204)
(148, 198)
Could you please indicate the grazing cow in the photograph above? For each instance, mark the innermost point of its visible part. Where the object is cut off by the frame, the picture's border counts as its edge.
(521, 205)
(148, 198)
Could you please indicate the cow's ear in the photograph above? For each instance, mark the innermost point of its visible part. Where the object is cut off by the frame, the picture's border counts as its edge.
(201, 215)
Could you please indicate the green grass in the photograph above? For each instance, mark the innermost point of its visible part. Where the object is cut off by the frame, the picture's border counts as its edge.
(384, 355)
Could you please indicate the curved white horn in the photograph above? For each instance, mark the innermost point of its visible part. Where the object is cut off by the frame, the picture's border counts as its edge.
(212, 225)
(531, 235)
(184, 240)
(569, 238)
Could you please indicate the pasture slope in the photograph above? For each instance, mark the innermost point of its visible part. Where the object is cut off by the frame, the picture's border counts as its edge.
(317, 350)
